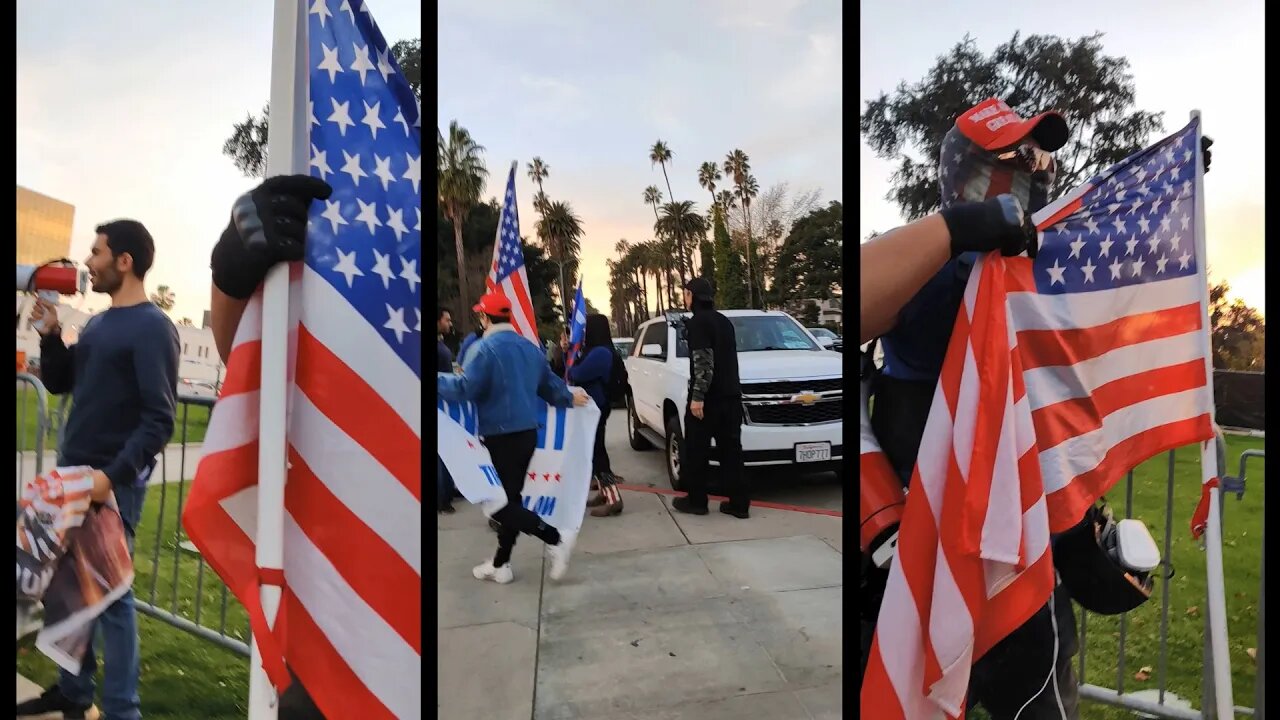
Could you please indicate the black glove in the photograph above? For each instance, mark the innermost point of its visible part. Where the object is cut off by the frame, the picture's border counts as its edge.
(995, 224)
(268, 225)
(1206, 142)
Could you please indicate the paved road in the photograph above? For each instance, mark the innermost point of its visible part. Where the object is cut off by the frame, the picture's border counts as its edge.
(779, 485)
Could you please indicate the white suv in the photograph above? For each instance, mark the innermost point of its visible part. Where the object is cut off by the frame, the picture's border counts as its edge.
(792, 392)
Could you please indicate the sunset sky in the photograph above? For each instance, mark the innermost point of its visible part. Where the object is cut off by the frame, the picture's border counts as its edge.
(589, 87)
(1182, 58)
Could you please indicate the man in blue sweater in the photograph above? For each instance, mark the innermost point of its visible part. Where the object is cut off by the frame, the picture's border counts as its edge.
(504, 374)
(123, 377)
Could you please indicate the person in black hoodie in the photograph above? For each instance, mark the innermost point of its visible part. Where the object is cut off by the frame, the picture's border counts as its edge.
(715, 406)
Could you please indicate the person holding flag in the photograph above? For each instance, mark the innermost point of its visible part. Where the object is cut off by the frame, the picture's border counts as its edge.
(504, 376)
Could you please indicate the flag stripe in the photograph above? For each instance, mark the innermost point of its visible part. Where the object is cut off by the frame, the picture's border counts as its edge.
(318, 512)
(1044, 348)
(1062, 421)
(1054, 384)
(346, 335)
(359, 411)
(313, 656)
(1029, 310)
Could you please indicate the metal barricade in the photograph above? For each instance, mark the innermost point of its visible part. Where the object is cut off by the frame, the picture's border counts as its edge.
(165, 591)
(1116, 696)
(33, 427)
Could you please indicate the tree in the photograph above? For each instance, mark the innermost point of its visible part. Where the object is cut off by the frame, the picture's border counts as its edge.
(660, 154)
(772, 217)
(461, 176)
(561, 231)
(538, 171)
(679, 221)
(730, 289)
(247, 146)
(1093, 91)
(653, 196)
(810, 260)
(707, 259)
(708, 176)
(163, 298)
(808, 314)
(1239, 332)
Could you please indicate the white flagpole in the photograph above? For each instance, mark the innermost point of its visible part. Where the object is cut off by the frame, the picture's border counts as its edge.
(286, 155)
(1215, 582)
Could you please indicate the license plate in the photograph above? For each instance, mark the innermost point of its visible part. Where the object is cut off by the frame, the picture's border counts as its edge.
(813, 452)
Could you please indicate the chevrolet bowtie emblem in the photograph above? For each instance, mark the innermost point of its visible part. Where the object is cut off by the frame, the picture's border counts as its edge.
(805, 398)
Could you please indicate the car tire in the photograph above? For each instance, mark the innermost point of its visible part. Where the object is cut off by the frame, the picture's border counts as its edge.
(638, 441)
(675, 441)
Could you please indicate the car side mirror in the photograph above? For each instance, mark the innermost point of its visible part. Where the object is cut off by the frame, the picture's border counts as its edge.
(652, 350)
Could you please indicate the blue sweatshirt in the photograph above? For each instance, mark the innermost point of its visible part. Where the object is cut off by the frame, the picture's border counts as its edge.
(592, 372)
(504, 374)
(123, 380)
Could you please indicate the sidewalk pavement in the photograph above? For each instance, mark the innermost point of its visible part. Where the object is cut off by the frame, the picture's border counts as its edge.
(662, 616)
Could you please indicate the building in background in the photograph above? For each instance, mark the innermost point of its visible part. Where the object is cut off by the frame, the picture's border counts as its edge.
(44, 228)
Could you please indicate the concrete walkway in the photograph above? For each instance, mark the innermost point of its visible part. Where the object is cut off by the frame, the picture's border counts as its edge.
(662, 616)
(175, 466)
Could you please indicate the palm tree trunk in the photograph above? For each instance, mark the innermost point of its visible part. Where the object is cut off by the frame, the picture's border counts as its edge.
(657, 278)
(564, 297)
(464, 318)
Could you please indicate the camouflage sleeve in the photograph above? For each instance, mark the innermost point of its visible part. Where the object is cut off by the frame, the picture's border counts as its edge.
(703, 363)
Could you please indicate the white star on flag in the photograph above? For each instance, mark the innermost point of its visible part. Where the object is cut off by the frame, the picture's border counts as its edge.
(382, 268)
(382, 168)
(341, 116)
(409, 271)
(362, 64)
(333, 213)
(395, 221)
(330, 62)
(395, 322)
(319, 162)
(1056, 273)
(371, 118)
(1088, 269)
(368, 215)
(352, 167)
(347, 266)
(1106, 247)
(321, 8)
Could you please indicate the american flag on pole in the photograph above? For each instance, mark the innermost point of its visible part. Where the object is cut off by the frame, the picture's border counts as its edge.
(1062, 374)
(350, 620)
(507, 274)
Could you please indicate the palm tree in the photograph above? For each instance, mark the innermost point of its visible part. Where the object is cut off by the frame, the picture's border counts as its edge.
(634, 262)
(726, 200)
(708, 175)
(650, 257)
(461, 176)
(164, 298)
(538, 171)
(680, 221)
(561, 231)
(661, 154)
(747, 190)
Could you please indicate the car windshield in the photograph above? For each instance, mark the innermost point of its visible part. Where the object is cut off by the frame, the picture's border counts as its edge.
(822, 333)
(762, 332)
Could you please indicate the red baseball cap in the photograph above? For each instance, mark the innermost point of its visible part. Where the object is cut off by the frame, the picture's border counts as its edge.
(495, 304)
(992, 124)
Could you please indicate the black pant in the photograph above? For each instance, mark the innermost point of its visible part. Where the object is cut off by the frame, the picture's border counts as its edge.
(721, 420)
(511, 454)
(1015, 669)
(600, 456)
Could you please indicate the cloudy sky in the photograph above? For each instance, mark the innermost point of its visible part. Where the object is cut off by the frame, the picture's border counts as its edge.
(589, 87)
(122, 110)
(1182, 57)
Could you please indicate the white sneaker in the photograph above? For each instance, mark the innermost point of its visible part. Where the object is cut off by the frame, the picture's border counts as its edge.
(486, 571)
(560, 554)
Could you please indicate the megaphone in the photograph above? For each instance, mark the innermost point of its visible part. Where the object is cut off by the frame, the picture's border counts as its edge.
(57, 278)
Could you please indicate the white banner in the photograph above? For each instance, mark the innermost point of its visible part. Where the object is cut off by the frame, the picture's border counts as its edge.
(558, 479)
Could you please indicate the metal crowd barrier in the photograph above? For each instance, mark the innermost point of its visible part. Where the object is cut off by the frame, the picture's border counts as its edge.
(170, 558)
(1116, 696)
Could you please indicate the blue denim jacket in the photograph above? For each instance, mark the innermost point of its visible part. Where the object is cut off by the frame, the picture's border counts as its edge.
(504, 374)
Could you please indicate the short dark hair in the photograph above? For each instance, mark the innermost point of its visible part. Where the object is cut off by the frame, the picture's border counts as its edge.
(441, 312)
(130, 236)
(495, 319)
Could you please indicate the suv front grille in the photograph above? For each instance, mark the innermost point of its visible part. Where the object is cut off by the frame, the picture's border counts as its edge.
(796, 414)
(791, 387)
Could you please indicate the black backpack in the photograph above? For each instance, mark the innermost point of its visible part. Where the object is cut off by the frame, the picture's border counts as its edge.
(617, 387)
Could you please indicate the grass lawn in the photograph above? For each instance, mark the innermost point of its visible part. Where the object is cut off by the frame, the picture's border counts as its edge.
(1242, 538)
(183, 676)
(196, 417)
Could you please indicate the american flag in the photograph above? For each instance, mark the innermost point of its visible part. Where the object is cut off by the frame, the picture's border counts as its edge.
(1062, 374)
(350, 619)
(507, 274)
(577, 329)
